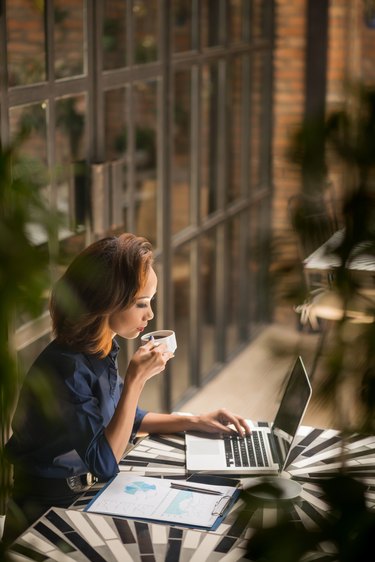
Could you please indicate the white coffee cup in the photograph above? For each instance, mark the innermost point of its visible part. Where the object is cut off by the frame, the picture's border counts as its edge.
(167, 337)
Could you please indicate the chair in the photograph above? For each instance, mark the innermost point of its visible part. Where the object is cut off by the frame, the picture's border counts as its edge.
(314, 221)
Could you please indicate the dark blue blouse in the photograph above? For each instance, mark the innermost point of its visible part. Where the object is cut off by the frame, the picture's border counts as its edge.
(65, 403)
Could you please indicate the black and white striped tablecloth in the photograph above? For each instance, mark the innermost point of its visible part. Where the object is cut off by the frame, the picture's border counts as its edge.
(74, 535)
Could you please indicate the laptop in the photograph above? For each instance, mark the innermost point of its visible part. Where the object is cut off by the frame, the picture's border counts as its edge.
(266, 449)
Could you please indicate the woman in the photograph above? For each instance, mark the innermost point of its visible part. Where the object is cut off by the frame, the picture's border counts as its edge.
(75, 415)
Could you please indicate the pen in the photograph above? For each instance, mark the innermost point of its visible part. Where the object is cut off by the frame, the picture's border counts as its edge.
(177, 486)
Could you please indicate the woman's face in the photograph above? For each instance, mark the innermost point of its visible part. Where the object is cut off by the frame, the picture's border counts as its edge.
(130, 322)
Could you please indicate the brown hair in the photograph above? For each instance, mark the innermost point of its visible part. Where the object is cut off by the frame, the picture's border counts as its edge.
(104, 278)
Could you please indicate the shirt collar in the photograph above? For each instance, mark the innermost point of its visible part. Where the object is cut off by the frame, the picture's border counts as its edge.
(114, 351)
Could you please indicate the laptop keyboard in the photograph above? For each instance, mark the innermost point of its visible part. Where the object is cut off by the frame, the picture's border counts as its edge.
(245, 451)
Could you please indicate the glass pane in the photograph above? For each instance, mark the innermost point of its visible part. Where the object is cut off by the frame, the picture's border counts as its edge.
(69, 38)
(235, 128)
(146, 30)
(114, 34)
(260, 20)
(145, 118)
(34, 147)
(210, 23)
(208, 308)
(233, 289)
(252, 264)
(182, 25)
(236, 20)
(69, 247)
(181, 272)
(181, 156)
(257, 273)
(116, 134)
(152, 391)
(256, 121)
(70, 147)
(33, 164)
(116, 146)
(209, 139)
(25, 42)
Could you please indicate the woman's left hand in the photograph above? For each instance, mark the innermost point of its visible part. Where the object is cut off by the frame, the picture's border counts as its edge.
(219, 422)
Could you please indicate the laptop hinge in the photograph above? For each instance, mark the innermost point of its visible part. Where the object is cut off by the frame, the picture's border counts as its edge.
(275, 449)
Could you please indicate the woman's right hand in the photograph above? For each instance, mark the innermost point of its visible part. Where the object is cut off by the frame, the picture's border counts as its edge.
(149, 360)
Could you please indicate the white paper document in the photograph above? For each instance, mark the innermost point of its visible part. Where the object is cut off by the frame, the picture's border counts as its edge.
(142, 497)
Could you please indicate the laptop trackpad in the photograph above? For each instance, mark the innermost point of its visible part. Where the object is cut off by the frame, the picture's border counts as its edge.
(204, 447)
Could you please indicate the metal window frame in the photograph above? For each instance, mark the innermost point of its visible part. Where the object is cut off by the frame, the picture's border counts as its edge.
(97, 81)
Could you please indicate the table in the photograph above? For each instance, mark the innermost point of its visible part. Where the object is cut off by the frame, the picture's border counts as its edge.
(74, 535)
(324, 257)
(324, 302)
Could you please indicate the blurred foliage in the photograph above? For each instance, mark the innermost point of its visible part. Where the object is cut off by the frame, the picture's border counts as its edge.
(348, 138)
(349, 529)
(345, 138)
(24, 272)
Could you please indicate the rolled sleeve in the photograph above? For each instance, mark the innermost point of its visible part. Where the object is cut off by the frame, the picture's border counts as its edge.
(99, 455)
(139, 415)
(100, 459)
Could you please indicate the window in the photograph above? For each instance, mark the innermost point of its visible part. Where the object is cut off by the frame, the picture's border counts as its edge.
(153, 117)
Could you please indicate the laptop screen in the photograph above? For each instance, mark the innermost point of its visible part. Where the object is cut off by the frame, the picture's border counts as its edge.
(292, 408)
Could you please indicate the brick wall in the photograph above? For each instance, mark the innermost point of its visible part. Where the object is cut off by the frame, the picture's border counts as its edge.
(289, 76)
